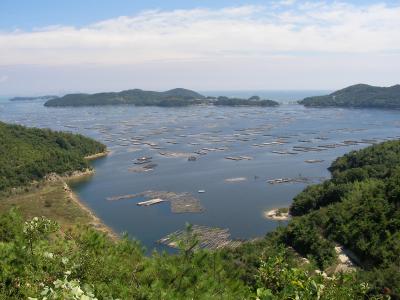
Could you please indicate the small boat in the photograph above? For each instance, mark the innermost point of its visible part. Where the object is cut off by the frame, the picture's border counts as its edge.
(201, 191)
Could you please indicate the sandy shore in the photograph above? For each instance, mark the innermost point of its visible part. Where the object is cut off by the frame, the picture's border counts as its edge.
(97, 155)
(96, 222)
(274, 214)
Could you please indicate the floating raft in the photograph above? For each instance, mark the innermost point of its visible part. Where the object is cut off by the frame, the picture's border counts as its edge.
(176, 154)
(236, 179)
(211, 238)
(237, 158)
(144, 168)
(150, 202)
(180, 202)
(288, 180)
(313, 161)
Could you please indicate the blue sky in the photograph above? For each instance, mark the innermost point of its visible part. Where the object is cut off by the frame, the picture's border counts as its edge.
(28, 14)
(54, 46)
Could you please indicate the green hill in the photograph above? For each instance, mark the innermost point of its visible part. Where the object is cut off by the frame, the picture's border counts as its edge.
(28, 154)
(358, 96)
(174, 97)
(358, 208)
(252, 101)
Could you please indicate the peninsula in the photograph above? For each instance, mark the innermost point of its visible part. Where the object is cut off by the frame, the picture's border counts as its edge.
(358, 96)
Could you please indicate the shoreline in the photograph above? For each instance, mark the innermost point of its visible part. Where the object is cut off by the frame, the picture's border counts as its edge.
(97, 155)
(274, 214)
(96, 222)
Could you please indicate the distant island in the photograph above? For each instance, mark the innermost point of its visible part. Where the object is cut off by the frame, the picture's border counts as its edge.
(252, 101)
(171, 98)
(174, 97)
(358, 96)
(46, 97)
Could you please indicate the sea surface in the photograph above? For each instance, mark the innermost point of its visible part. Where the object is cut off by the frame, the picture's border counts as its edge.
(217, 132)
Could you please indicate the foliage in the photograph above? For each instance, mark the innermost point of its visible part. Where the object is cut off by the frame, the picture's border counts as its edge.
(358, 208)
(85, 262)
(174, 97)
(171, 98)
(28, 154)
(359, 95)
(252, 101)
(278, 280)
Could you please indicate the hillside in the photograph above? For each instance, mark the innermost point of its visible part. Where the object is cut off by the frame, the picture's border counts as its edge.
(358, 96)
(28, 154)
(358, 208)
(174, 97)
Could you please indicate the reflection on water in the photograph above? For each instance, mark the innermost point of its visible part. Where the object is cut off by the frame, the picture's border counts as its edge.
(267, 144)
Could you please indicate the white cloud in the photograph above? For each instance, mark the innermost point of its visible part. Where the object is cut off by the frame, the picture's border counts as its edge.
(300, 29)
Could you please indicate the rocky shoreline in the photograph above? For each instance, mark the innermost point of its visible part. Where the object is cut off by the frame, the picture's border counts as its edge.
(277, 214)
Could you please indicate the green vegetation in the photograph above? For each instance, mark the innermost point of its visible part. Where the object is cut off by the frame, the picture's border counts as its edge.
(48, 199)
(358, 96)
(358, 208)
(174, 97)
(38, 260)
(29, 154)
(171, 98)
(252, 101)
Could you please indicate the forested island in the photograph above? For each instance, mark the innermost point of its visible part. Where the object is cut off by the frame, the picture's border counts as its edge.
(252, 101)
(358, 208)
(358, 96)
(172, 98)
(46, 97)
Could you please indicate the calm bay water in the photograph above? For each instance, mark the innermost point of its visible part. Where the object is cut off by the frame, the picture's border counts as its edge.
(240, 131)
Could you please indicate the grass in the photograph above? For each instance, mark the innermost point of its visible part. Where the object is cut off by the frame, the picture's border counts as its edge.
(49, 200)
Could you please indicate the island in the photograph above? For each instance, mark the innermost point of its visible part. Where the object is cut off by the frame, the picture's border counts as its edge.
(358, 96)
(252, 101)
(138, 97)
(171, 98)
(46, 97)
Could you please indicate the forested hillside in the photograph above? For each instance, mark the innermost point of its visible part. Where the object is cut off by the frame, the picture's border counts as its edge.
(358, 208)
(28, 154)
(42, 262)
(358, 96)
(252, 101)
(174, 97)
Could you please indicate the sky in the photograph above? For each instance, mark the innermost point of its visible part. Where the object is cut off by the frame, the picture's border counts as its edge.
(63, 46)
